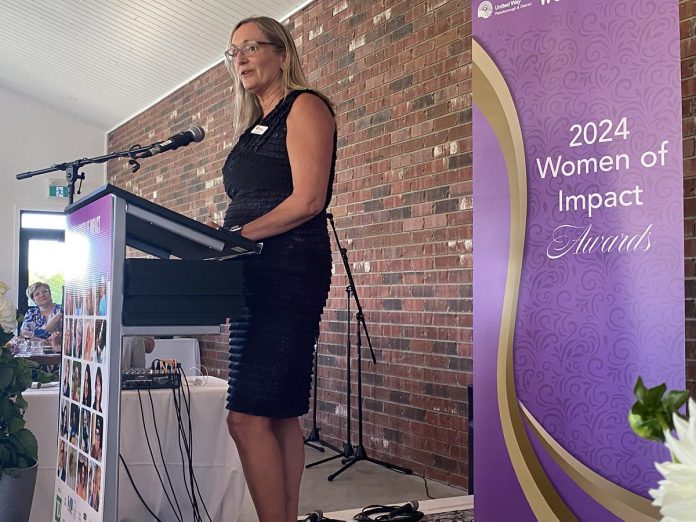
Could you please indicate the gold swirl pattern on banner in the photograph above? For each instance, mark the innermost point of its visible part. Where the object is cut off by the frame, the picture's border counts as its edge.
(493, 98)
(622, 502)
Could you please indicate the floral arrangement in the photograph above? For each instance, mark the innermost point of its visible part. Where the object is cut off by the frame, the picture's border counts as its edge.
(654, 416)
(8, 316)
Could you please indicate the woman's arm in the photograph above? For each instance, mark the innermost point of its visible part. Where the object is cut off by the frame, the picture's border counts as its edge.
(309, 141)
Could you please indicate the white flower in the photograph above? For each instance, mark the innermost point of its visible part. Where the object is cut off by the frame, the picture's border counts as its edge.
(677, 492)
(8, 315)
(3, 289)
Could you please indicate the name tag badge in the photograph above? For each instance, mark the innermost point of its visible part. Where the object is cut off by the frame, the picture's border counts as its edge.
(259, 129)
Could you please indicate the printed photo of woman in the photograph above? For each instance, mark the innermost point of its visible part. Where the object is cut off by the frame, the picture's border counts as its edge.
(94, 485)
(66, 378)
(84, 432)
(99, 340)
(89, 339)
(61, 460)
(87, 387)
(74, 423)
(64, 419)
(76, 371)
(82, 468)
(72, 467)
(96, 405)
(97, 425)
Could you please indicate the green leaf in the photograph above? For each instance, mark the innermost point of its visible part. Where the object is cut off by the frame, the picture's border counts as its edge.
(6, 376)
(20, 402)
(647, 428)
(675, 399)
(639, 390)
(15, 424)
(652, 414)
(25, 440)
(653, 396)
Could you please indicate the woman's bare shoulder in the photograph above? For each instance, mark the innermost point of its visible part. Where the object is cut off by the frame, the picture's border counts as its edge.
(310, 107)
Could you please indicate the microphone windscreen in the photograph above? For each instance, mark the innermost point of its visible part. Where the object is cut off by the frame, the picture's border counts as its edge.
(315, 516)
(197, 132)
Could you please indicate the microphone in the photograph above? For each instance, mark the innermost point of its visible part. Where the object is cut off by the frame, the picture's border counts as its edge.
(411, 507)
(314, 516)
(194, 133)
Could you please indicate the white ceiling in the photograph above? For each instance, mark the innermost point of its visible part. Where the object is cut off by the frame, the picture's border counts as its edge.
(104, 61)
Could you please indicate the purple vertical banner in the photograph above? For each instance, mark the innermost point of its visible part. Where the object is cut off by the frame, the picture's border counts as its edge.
(83, 419)
(578, 252)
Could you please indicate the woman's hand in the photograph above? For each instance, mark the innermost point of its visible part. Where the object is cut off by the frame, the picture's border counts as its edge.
(54, 322)
(55, 340)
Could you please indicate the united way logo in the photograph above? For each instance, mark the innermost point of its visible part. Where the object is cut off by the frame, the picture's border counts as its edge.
(547, 2)
(485, 9)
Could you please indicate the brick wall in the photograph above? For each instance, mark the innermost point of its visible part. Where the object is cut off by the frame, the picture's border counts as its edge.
(687, 31)
(399, 75)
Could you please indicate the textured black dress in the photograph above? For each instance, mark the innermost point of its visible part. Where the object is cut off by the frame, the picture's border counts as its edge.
(286, 286)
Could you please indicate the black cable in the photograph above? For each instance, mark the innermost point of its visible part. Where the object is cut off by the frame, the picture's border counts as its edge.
(425, 483)
(189, 453)
(182, 438)
(152, 456)
(188, 444)
(195, 481)
(136, 489)
(164, 463)
(384, 513)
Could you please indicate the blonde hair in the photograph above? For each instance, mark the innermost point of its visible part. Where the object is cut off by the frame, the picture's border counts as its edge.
(34, 287)
(247, 109)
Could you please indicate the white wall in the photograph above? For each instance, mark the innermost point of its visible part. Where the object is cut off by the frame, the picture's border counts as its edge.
(33, 137)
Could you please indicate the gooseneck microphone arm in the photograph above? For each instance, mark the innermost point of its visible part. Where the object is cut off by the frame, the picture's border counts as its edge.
(72, 168)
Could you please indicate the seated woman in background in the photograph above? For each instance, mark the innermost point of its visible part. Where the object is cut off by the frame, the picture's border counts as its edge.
(45, 320)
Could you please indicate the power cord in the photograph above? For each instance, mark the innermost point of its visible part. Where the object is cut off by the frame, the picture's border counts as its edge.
(187, 403)
(130, 477)
(202, 378)
(164, 463)
(406, 513)
(149, 447)
(318, 516)
(177, 408)
(186, 437)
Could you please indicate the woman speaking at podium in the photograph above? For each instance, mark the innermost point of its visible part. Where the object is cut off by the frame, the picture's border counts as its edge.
(278, 178)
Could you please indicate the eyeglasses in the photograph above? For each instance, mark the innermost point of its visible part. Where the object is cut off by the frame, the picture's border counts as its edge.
(43, 291)
(248, 49)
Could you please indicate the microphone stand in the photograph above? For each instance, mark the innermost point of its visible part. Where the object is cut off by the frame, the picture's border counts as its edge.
(72, 168)
(347, 450)
(360, 453)
(314, 440)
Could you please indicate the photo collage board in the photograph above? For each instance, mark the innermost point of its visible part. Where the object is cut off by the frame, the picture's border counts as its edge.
(83, 405)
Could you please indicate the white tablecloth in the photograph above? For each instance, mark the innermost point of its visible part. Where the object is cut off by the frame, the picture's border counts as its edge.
(216, 462)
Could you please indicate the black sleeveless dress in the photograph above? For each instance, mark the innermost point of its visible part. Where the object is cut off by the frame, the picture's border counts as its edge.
(286, 286)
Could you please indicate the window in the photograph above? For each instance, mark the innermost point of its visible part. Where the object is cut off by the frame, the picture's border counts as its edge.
(41, 254)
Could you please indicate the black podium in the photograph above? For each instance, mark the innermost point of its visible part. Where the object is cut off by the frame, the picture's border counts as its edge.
(192, 285)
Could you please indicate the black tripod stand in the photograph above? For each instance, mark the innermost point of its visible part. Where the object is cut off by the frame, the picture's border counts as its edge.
(347, 445)
(313, 440)
(359, 453)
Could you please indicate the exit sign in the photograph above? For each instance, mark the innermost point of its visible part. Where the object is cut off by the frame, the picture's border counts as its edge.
(58, 190)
